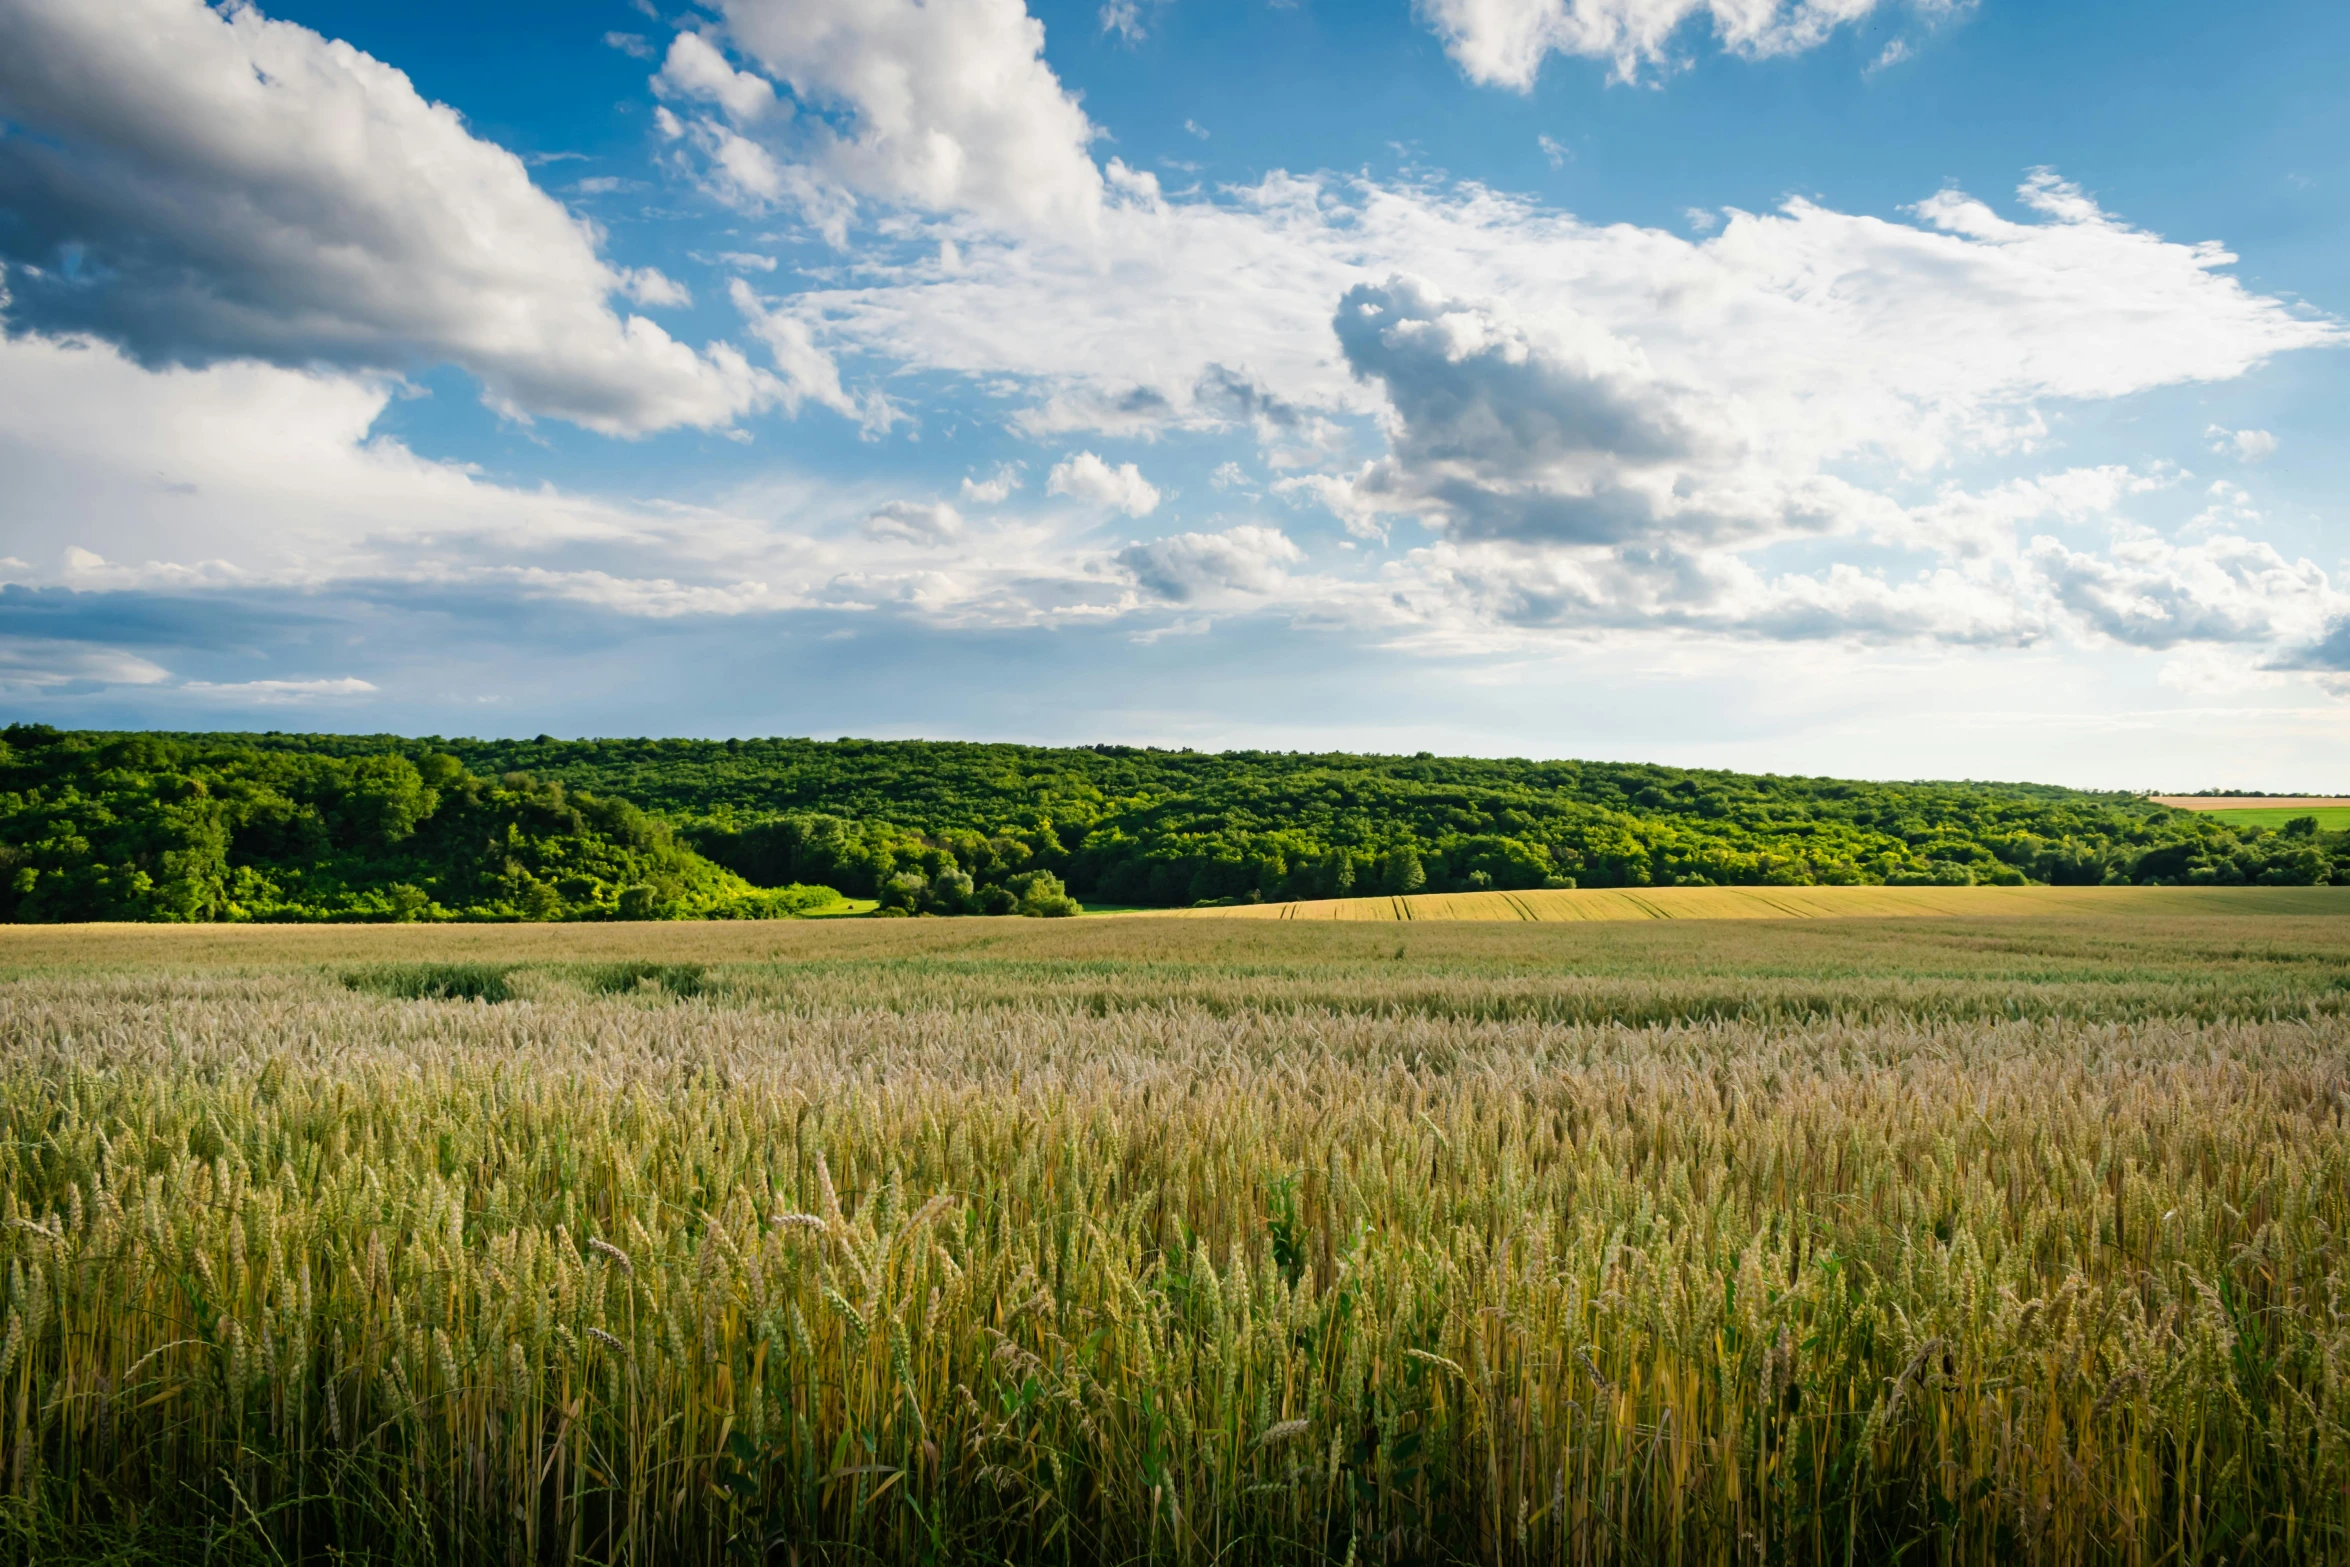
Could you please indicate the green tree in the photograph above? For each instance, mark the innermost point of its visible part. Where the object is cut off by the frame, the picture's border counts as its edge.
(1042, 896)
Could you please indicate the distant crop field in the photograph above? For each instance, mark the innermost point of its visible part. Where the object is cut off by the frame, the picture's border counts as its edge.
(2258, 810)
(1959, 1229)
(2330, 818)
(1776, 903)
(2238, 802)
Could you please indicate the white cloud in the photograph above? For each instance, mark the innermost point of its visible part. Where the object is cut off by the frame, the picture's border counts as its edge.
(1558, 152)
(741, 173)
(1501, 594)
(244, 478)
(1833, 335)
(809, 373)
(1125, 18)
(1085, 477)
(2139, 591)
(239, 472)
(39, 663)
(1185, 566)
(1605, 429)
(244, 484)
(1502, 43)
(649, 286)
(994, 490)
(695, 69)
(246, 187)
(2243, 445)
(2151, 592)
(281, 691)
(915, 522)
(945, 105)
(635, 45)
(1558, 398)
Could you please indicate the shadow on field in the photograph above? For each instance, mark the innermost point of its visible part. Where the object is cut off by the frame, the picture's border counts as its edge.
(1659, 974)
(496, 982)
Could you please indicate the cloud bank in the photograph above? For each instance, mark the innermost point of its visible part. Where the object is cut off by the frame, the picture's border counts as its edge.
(232, 233)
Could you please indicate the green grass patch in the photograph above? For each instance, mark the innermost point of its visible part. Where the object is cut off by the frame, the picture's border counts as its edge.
(841, 909)
(625, 979)
(434, 981)
(2330, 818)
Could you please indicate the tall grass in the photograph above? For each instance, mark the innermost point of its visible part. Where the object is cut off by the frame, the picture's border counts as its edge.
(302, 1272)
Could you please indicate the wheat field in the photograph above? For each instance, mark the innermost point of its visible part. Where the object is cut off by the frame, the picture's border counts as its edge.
(1776, 903)
(1961, 1240)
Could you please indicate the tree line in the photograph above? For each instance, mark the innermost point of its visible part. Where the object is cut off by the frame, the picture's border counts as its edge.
(174, 828)
(309, 826)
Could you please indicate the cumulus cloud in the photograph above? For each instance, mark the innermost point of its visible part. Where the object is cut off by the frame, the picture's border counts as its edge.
(1612, 427)
(994, 490)
(695, 69)
(915, 522)
(1502, 43)
(1498, 434)
(1087, 478)
(2026, 588)
(2243, 445)
(1603, 428)
(198, 184)
(1832, 335)
(650, 286)
(262, 492)
(240, 471)
(1186, 566)
(244, 479)
(2154, 593)
(943, 106)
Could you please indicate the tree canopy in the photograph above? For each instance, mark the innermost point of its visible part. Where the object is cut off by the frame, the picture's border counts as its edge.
(150, 827)
(327, 826)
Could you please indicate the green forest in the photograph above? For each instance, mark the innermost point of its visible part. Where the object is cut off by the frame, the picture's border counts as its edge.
(340, 827)
(217, 827)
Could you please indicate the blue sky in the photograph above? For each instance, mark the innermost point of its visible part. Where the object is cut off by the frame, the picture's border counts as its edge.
(1882, 387)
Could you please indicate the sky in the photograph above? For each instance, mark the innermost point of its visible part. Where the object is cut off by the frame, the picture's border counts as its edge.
(1884, 388)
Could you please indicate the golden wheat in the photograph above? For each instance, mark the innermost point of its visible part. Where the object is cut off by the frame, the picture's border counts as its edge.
(1779, 903)
(879, 1263)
